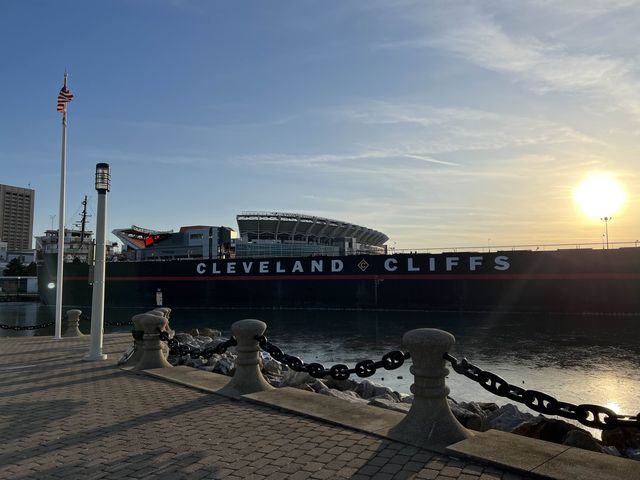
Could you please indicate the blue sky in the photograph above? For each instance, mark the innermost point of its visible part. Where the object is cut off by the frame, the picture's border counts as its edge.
(439, 123)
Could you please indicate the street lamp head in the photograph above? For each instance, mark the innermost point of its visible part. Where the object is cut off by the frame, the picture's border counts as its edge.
(103, 177)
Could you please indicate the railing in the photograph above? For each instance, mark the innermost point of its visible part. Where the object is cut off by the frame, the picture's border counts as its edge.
(528, 246)
(429, 415)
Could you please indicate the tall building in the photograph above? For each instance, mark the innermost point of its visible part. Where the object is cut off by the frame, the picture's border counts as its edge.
(16, 216)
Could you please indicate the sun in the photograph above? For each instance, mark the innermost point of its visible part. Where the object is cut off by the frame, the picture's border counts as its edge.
(599, 196)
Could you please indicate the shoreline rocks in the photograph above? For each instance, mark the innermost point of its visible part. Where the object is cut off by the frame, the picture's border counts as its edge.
(478, 416)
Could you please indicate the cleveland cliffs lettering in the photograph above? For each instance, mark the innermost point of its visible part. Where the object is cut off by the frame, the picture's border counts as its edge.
(428, 264)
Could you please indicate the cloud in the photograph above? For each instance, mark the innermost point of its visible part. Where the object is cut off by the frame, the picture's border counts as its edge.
(450, 129)
(542, 61)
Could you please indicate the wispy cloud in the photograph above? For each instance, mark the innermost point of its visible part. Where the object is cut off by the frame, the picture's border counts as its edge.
(448, 129)
(536, 60)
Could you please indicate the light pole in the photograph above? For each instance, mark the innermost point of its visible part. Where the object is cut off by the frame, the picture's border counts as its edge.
(103, 185)
(606, 228)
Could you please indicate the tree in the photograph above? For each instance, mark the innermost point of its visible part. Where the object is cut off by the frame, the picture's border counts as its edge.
(15, 268)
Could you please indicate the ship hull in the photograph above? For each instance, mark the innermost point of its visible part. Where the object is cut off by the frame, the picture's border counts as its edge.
(565, 281)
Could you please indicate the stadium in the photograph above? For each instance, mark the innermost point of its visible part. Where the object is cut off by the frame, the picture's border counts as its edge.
(272, 234)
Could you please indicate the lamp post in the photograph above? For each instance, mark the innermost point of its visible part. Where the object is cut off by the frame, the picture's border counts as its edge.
(103, 185)
(606, 228)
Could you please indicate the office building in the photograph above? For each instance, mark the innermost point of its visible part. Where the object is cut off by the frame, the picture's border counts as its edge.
(16, 216)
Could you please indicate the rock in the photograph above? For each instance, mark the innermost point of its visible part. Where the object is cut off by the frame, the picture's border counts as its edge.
(127, 354)
(342, 385)
(317, 386)
(224, 364)
(346, 395)
(194, 332)
(292, 379)
(210, 332)
(622, 438)
(632, 453)
(195, 362)
(367, 390)
(506, 418)
(611, 451)
(269, 365)
(406, 398)
(543, 428)
(582, 439)
(387, 397)
(390, 404)
(183, 338)
(466, 417)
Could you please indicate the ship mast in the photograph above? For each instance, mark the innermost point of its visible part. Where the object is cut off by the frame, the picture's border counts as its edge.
(84, 220)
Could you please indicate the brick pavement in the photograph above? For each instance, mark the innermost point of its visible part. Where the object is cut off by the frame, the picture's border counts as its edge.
(62, 418)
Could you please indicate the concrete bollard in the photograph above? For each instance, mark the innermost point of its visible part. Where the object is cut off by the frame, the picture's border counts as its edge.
(247, 377)
(71, 324)
(152, 356)
(166, 313)
(138, 343)
(429, 423)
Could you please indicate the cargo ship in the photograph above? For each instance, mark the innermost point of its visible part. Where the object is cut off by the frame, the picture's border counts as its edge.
(282, 260)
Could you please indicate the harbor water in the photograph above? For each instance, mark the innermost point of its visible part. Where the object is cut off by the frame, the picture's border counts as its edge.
(577, 359)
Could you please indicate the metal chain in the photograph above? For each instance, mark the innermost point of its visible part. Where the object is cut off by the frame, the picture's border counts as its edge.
(126, 323)
(594, 416)
(365, 368)
(118, 324)
(177, 348)
(30, 327)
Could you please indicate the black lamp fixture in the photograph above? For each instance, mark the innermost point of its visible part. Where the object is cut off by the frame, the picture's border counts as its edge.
(103, 177)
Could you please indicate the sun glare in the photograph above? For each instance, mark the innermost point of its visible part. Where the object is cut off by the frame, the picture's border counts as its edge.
(599, 196)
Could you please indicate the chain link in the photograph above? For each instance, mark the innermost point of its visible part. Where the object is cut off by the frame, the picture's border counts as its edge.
(29, 327)
(365, 368)
(177, 348)
(126, 323)
(594, 416)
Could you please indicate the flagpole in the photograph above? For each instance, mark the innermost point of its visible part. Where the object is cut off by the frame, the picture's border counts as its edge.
(61, 232)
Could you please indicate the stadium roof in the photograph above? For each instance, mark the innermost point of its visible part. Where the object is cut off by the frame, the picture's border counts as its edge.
(281, 225)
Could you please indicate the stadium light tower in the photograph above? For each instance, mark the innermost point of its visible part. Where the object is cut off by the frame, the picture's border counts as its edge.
(606, 221)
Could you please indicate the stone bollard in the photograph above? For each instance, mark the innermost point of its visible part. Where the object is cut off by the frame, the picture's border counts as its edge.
(247, 377)
(138, 343)
(152, 356)
(429, 423)
(71, 323)
(166, 313)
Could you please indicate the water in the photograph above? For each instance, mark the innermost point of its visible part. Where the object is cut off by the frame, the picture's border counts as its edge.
(577, 359)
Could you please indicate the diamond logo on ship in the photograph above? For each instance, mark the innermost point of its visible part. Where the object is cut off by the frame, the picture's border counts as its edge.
(363, 265)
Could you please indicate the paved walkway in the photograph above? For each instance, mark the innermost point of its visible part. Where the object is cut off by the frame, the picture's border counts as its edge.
(62, 418)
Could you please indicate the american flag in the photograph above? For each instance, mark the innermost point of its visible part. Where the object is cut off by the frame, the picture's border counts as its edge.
(64, 97)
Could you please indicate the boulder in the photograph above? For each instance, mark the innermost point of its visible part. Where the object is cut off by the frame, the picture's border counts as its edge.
(210, 332)
(506, 418)
(467, 418)
(622, 438)
(632, 453)
(269, 365)
(387, 397)
(390, 404)
(543, 428)
(224, 364)
(367, 390)
(346, 395)
(342, 385)
(184, 338)
(293, 379)
(582, 439)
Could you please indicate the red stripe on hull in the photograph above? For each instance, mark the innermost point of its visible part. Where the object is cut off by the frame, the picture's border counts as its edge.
(432, 276)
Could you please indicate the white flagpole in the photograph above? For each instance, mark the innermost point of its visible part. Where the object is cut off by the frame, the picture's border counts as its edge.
(61, 232)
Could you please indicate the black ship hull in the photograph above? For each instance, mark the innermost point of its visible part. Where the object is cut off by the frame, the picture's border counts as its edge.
(565, 281)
